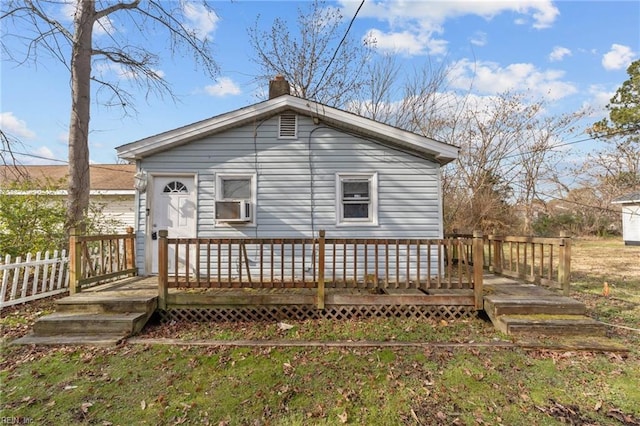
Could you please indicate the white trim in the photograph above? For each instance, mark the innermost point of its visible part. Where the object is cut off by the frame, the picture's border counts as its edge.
(220, 176)
(372, 177)
(148, 223)
(381, 132)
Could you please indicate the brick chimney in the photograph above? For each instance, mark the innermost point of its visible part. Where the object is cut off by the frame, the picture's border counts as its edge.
(278, 87)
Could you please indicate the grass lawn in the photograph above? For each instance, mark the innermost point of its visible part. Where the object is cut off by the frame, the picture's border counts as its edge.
(477, 380)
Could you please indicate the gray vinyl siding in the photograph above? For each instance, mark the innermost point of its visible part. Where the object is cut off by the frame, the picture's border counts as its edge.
(289, 170)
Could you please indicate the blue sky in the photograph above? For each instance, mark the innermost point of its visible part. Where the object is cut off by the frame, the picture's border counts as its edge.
(574, 53)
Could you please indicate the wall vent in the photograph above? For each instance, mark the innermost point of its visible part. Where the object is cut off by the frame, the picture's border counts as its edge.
(288, 126)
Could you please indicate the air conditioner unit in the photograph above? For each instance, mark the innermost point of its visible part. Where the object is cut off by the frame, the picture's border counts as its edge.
(233, 211)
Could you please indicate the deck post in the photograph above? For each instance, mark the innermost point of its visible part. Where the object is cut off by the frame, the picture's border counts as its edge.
(130, 250)
(321, 248)
(564, 262)
(75, 262)
(163, 268)
(496, 261)
(478, 268)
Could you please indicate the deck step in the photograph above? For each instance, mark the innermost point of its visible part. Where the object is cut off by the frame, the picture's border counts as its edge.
(97, 303)
(90, 323)
(522, 305)
(550, 325)
(71, 339)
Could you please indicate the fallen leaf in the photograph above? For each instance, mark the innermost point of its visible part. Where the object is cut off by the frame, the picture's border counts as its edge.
(69, 387)
(284, 326)
(598, 406)
(143, 404)
(344, 417)
(85, 407)
(415, 416)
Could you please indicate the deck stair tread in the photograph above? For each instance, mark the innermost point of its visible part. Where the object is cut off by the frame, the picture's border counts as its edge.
(71, 339)
(98, 317)
(551, 325)
(90, 323)
(502, 305)
(101, 302)
(520, 308)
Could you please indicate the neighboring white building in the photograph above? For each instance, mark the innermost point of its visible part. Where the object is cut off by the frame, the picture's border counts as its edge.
(630, 218)
(112, 190)
(286, 168)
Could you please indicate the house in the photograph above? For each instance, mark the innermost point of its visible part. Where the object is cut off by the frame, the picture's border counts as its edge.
(630, 218)
(286, 168)
(112, 189)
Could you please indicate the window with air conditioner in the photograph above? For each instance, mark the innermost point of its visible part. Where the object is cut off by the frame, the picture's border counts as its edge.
(235, 198)
(357, 199)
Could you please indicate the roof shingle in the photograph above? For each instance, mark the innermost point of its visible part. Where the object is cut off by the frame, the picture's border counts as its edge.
(104, 177)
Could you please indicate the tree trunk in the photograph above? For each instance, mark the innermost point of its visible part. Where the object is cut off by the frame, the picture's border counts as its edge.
(79, 180)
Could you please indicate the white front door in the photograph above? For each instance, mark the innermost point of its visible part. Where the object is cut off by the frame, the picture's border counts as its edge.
(174, 209)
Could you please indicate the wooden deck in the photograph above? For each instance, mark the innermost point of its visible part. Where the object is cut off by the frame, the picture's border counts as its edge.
(111, 312)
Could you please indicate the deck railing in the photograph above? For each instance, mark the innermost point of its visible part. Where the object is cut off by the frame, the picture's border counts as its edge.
(545, 261)
(375, 264)
(96, 259)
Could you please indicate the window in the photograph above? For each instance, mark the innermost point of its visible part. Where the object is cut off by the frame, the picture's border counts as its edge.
(175, 187)
(288, 128)
(357, 199)
(235, 198)
(236, 188)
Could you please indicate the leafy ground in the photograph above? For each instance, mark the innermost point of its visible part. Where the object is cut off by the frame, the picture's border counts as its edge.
(477, 379)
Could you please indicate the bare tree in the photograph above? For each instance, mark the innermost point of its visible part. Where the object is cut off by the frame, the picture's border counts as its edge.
(80, 51)
(7, 156)
(539, 157)
(375, 97)
(320, 61)
(509, 148)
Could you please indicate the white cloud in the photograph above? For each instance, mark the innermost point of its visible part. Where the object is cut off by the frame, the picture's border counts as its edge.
(619, 57)
(421, 22)
(103, 26)
(407, 43)
(13, 126)
(45, 152)
(202, 21)
(63, 137)
(479, 39)
(491, 78)
(68, 10)
(41, 155)
(599, 98)
(223, 87)
(121, 72)
(559, 53)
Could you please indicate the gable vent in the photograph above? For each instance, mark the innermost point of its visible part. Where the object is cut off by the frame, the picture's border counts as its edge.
(288, 126)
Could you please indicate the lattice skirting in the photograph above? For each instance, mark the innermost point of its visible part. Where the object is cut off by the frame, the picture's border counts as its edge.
(302, 312)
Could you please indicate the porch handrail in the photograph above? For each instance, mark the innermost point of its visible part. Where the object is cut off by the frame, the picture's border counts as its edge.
(94, 259)
(363, 263)
(540, 260)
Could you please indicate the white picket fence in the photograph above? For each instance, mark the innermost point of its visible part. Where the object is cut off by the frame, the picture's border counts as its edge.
(31, 279)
